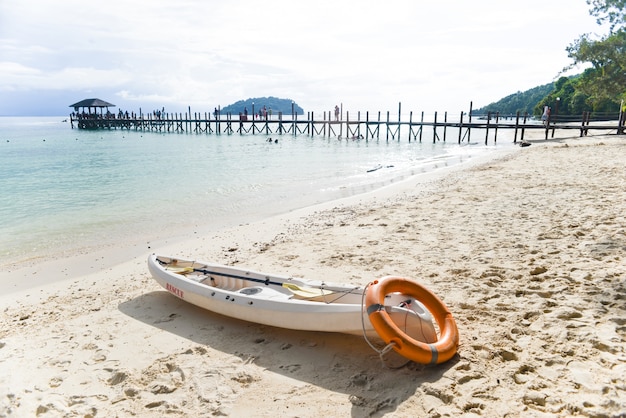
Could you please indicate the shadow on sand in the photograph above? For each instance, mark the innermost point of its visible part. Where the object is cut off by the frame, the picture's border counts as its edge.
(337, 362)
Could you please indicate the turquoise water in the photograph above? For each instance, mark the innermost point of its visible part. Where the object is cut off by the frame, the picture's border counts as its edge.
(65, 190)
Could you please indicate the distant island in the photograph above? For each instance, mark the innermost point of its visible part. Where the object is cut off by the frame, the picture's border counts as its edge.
(273, 104)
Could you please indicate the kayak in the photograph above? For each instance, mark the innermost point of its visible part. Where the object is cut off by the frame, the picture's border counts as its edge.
(399, 311)
(283, 301)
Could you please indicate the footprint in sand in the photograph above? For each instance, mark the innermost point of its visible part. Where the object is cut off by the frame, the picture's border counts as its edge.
(116, 378)
(474, 407)
(523, 374)
(568, 313)
(508, 355)
(243, 378)
(155, 404)
(535, 398)
(55, 382)
(291, 368)
(360, 379)
(99, 356)
(168, 318)
(469, 377)
(444, 395)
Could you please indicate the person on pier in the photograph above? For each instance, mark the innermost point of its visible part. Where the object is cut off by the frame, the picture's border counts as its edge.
(546, 115)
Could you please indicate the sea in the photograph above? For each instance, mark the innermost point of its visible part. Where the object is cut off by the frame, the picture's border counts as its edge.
(65, 190)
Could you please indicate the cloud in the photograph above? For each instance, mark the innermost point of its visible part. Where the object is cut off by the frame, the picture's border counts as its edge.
(19, 77)
(369, 55)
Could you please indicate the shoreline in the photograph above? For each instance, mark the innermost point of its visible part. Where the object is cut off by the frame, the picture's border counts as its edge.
(43, 232)
(70, 263)
(525, 249)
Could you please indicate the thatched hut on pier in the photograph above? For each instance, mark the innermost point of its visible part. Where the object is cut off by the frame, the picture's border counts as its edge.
(89, 104)
(88, 119)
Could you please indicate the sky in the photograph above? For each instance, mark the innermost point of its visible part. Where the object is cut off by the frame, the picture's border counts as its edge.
(363, 55)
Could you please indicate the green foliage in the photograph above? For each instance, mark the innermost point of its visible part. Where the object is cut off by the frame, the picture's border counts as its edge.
(572, 100)
(275, 104)
(524, 102)
(561, 99)
(612, 11)
(605, 81)
(599, 89)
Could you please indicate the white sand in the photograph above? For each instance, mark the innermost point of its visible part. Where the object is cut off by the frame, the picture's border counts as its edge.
(527, 251)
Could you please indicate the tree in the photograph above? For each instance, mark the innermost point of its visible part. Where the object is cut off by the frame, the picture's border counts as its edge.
(521, 101)
(573, 101)
(605, 81)
(564, 90)
(613, 11)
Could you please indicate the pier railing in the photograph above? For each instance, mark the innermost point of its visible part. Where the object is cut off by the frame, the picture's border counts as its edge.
(440, 127)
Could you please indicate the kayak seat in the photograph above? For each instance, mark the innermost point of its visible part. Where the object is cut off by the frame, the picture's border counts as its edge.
(264, 292)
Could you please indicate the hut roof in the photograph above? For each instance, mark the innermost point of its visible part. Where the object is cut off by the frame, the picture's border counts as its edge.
(92, 103)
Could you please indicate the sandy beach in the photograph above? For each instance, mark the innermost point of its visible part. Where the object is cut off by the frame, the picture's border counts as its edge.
(526, 249)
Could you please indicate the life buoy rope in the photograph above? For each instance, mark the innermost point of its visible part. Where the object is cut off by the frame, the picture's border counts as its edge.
(425, 353)
(384, 350)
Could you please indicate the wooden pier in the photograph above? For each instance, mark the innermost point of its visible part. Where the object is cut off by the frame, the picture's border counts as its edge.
(346, 126)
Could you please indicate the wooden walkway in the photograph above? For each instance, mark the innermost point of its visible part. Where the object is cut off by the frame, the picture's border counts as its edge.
(346, 127)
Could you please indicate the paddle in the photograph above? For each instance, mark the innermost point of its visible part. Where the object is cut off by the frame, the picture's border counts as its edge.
(307, 293)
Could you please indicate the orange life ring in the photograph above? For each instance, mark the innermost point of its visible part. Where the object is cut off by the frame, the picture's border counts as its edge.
(438, 352)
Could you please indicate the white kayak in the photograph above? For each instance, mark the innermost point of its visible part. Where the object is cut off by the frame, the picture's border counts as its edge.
(286, 302)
